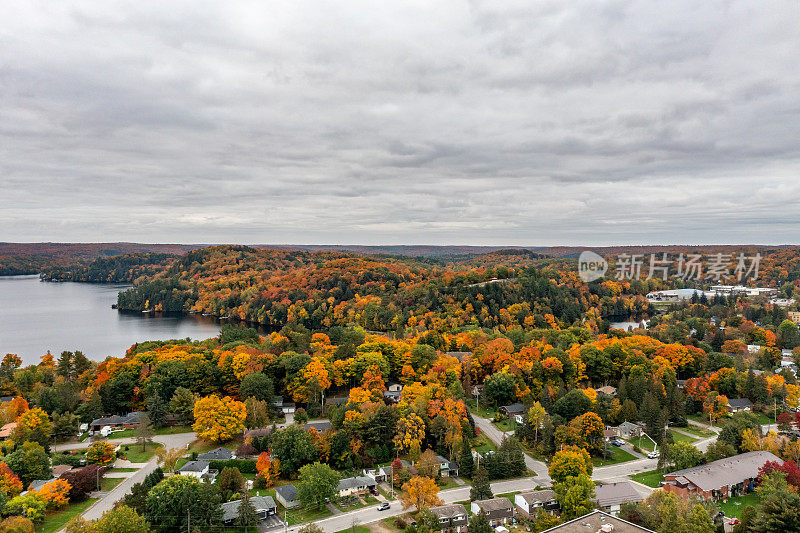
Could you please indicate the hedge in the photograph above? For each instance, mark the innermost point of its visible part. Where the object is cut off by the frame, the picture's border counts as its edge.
(245, 466)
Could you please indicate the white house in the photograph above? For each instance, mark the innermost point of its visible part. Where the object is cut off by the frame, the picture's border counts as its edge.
(528, 503)
(198, 469)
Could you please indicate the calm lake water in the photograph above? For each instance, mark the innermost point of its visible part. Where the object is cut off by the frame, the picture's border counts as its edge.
(36, 316)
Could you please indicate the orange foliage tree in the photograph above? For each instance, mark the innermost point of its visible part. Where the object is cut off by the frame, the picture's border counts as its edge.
(218, 419)
(420, 492)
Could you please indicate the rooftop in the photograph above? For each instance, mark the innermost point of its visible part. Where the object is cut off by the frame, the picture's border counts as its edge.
(194, 466)
(449, 511)
(598, 522)
(217, 454)
(230, 510)
(616, 494)
(287, 492)
(725, 472)
(538, 496)
(494, 504)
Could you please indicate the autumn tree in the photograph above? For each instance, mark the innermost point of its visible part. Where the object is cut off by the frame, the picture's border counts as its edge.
(121, 519)
(576, 495)
(571, 461)
(9, 482)
(56, 493)
(218, 419)
(410, 432)
(420, 492)
(169, 458)
(100, 453)
(33, 425)
(317, 484)
(428, 464)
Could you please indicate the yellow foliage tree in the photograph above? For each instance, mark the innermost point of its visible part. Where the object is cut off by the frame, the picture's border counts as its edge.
(420, 492)
(410, 432)
(218, 419)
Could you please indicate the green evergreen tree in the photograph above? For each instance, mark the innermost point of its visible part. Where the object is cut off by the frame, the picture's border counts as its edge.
(481, 490)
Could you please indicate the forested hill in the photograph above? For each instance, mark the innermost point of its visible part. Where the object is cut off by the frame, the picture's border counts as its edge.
(504, 289)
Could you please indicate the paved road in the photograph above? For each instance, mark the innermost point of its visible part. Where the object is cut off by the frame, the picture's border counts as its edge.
(371, 513)
(179, 440)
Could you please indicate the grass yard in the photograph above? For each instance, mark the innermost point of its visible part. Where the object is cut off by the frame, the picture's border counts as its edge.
(56, 521)
(298, 516)
(680, 437)
(618, 455)
(651, 478)
(505, 425)
(125, 433)
(735, 506)
(108, 483)
(447, 483)
(356, 529)
(350, 504)
(385, 494)
(121, 470)
(483, 444)
(483, 411)
(135, 453)
(509, 495)
(698, 431)
(643, 443)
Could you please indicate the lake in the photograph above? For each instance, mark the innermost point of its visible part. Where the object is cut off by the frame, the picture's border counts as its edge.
(38, 316)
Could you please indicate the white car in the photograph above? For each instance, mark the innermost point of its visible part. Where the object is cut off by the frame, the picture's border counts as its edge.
(654, 455)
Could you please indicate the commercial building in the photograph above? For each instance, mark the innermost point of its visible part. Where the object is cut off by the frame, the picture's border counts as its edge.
(598, 522)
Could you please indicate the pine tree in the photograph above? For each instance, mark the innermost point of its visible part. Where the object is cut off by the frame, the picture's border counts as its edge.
(479, 523)
(466, 466)
(481, 490)
(248, 517)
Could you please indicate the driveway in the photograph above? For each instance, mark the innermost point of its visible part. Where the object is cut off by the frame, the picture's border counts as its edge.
(490, 430)
(270, 523)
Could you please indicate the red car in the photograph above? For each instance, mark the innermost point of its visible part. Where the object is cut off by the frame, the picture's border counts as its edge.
(733, 521)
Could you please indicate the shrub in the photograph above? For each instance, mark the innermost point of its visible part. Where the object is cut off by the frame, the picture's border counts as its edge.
(245, 466)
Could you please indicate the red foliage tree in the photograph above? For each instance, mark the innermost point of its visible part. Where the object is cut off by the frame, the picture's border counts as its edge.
(788, 467)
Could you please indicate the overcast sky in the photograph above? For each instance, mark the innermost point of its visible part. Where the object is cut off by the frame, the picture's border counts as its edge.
(433, 122)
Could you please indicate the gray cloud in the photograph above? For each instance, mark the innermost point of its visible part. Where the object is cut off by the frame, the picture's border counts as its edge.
(452, 122)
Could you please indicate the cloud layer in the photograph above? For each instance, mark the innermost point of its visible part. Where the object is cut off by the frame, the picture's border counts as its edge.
(447, 122)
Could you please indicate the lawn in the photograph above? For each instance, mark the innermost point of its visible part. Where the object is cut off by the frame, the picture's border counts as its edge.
(483, 444)
(618, 455)
(509, 495)
(385, 494)
(56, 521)
(505, 425)
(680, 437)
(350, 504)
(642, 442)
(120, 470)
(135, 453)
(298, 516)
(447, 483)
(173, 430)
(697, 430)
(108, 483)
(356, 529)
(483, 411)
(651, 478)
(735, 506)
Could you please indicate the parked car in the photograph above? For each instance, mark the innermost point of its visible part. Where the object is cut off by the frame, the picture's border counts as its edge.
(384, 506)
(653, 455)
(733, 521)
(617, 443)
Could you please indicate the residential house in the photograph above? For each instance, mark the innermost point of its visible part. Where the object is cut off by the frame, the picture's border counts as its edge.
(598, 522)
(609, 433)
(58, 470)
(218, 454)
(394, 387)
(318, 425)
(514, 412)
(498, 510)
(116, 421)
(628, 430)
(199, 469)
(794, 316)
(452, 518)
(610, 496)
(7, 430)
(447, 468)
(284, 407)
(356, 486)
(528, 503)
(608, 390)
(257, 433)
(392, 397)
(265, 506)
(287, 496)
(736, 405)
(336, 401)
(379, 474)
(732, 476)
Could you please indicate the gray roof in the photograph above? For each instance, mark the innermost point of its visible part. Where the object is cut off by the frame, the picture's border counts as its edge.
(37, 484)
(514, 408)
(194, 466)
(287, 492)
(629, 426)
(355, 482)
(538, 496)
(725, 472)
(337, 400)
(740, 402)
(113, 420)
(591, 523)
(230, 510)
(616, 494)
(494, 504)
(449, 511)
(218, 454)
(319, 425)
